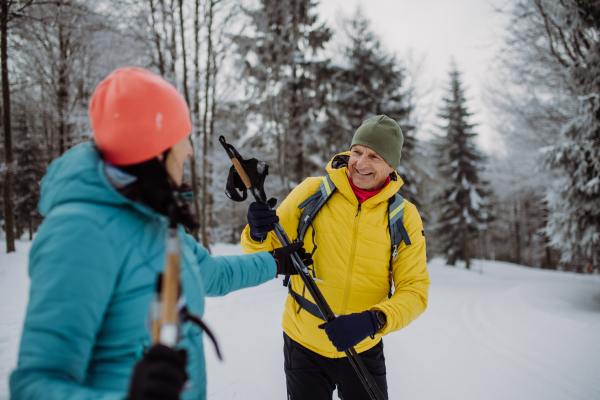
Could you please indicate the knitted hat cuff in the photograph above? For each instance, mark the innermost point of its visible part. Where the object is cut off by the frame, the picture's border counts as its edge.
(391, 162)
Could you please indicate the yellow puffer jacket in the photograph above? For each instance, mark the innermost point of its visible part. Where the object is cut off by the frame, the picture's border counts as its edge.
(352, 261)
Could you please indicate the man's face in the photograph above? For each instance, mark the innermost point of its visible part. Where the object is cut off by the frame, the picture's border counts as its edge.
(368, 170)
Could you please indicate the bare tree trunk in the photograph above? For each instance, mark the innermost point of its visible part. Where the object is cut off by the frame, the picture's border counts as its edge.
(206, 141)
(187, 99)
(173, 42)
(157, 40)
(46, 129)
(466, 253)
(8, 155)
(211, 130)
(549, 263)
(295, 111)
(63, 91)
(195, 107)
(452, 259)
(517, 234)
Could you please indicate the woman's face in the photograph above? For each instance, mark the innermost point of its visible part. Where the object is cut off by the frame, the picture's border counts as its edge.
(368, 170)
(176, 158)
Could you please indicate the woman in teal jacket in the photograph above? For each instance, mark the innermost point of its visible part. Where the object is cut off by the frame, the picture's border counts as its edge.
(94, 262)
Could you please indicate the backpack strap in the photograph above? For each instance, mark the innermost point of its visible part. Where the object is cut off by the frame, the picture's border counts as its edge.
(313, 204)
(303, 302)
(311, 207)
(397, 230)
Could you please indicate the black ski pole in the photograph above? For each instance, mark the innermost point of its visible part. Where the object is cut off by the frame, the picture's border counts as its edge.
(353, 357)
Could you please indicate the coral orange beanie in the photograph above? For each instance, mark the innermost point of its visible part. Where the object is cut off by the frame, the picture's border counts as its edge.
(137, 115)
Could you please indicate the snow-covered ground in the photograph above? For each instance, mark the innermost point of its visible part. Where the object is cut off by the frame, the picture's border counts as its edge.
(507, 332)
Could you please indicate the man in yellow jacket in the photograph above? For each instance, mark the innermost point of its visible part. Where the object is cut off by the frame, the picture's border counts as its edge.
(353, 264)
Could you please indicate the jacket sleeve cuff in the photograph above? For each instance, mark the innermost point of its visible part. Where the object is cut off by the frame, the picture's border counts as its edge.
(257, 239)
(250, 245)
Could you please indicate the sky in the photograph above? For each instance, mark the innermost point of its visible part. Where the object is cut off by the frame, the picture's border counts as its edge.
(470, 31)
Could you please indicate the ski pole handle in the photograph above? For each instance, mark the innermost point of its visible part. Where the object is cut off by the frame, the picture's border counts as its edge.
(169, 315)
(236, 163)
(241, 172)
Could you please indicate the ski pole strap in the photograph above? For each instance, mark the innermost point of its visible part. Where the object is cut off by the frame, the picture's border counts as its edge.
(187, 316)
(244, 175)
(308, 305)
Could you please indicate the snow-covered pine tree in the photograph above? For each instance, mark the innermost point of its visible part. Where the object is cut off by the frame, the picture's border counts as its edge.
(573, 41)
(279, 66)
(574, 199)
(548, 102)
(369, 82)
(464, 209)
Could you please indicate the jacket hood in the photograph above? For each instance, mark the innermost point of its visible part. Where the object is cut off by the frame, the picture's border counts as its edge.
(338, 172)
(78, 176)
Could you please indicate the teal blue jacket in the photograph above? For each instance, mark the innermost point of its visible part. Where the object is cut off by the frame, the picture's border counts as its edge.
(93, 265)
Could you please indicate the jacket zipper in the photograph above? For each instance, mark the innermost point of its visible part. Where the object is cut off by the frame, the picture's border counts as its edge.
(351, 264)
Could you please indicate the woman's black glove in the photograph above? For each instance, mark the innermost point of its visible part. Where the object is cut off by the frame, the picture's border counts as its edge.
(159, 375)
(262, 219)
(282, 255)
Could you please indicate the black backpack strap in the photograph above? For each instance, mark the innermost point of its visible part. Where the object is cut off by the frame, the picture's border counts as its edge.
(311, 207)
(303, 302)
(313, 204)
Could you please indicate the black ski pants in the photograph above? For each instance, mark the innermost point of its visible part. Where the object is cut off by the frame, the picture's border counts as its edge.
(310, 376)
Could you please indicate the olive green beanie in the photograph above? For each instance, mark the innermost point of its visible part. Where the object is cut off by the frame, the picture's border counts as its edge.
(383, 135)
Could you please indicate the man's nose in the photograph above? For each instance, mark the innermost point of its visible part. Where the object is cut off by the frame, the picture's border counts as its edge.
(362, 162)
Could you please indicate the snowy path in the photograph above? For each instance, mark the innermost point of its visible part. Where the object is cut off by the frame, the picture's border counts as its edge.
(510, 332)
(14, 292)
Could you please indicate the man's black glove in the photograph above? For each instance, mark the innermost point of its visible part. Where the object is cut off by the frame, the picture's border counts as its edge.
(282, 255)
(159, 375)
(262, 219)
(349, 330)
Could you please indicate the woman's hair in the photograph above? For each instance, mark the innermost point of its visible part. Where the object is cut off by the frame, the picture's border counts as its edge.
(154, 188)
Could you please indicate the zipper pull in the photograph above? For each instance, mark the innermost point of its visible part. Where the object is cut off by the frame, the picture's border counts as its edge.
(357, 211)
(395, 253)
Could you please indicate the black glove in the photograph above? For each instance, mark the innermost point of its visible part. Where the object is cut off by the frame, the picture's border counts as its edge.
(282, 255)
(349, 330)
(262, 219)
(159, 375)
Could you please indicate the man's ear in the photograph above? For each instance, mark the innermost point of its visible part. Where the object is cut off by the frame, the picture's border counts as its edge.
(390, 169)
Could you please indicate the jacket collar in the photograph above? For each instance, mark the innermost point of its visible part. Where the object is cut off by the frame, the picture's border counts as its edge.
(338, 172)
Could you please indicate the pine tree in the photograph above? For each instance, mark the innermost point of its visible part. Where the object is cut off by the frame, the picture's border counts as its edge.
(550, 106)
(369, 83)
(464, 210)
(574, 199)
(573, 37)
(279, 68)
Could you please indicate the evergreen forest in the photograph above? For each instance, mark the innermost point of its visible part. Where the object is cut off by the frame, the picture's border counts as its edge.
(286, 88)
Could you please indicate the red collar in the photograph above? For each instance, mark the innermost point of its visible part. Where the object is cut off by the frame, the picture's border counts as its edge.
(361, 194)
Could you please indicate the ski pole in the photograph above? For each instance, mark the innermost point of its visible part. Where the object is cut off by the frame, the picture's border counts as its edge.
(353, 357)
(165, 328)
